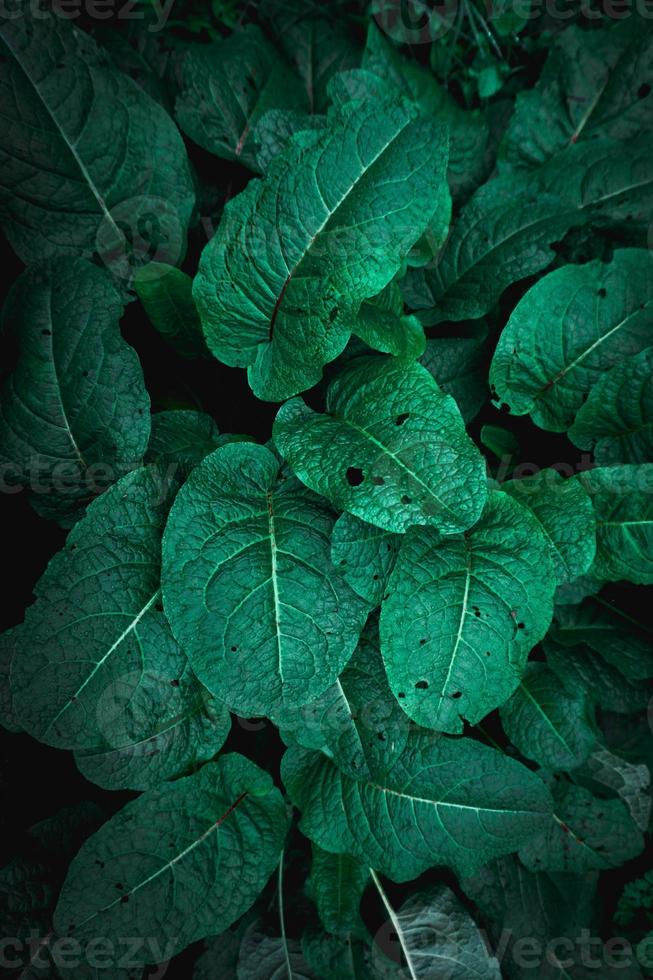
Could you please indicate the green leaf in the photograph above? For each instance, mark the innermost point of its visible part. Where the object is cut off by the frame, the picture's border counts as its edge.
(568, 329)
(227, 86)
(365, 556)
(508, 228)
(554, 728)
(458, 364)
(571, 593)
(391, 448)
(222, 827)
(616, 421)
(266, 957)
(337, 884)
(445, 801)
(565, 513)
(383, 330)
(93, 164)
(74, 412)
(96, 628)
(631, 781)
(181, 439)
(280, 284)
(166, 294)
(623, 503)
(462, 614)
(345, 958)
(594, 84)
(274, 131)
(582, 671)
(438, 938)
(356, 722)
(249, 589)
(584, 834)
(502, 443)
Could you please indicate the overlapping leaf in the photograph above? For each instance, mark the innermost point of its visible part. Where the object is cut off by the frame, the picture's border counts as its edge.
(365, 555)
(623, 503)
(166, 294)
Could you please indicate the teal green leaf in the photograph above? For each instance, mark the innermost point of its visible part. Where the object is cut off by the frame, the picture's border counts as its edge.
(356, 722)
(166, 295)
(616, 421)
(629, 780)
(458, 364)
(438, 938)
(623, 504)
(445, 801)
(74, 414)
(581, 670)
(90, 154)
(266, 957)
(507, 230)
(594, 84)
(221, 829)
(552, 727)
(274, 131)
(565, 513)
(96, 626)
(345, 958)
(502, 443)
(390, 449)
(280, 284)
(570, 328)
(337, 884)
(571, 593)
(584, 834)
(462, 614)
(384, 331)
(265, 619)
(227, 86)
(365, 556)
(181, 439)
(8, 718)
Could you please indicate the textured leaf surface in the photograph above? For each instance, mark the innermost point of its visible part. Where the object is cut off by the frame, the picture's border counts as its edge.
(227, 86)
(616, 421)
(337, 885)
(265, 619)
(629, 780)
(445, 801)
(385, 331)
(74, 414)
(507, 229)
(365, 556)
(458, 366)
(390, 449)
(178, 863)
(581, 670)
(463, 612)
(274, 131)
(565, 513)
(281, 282)
(182, 438)
(570, 328)
(584, 834)
(166, 294)
(623, 503)
(553, 727)
(88, 151)
(265, 957)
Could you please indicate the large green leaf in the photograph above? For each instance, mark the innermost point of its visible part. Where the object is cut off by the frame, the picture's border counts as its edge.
(227, 86)
(508, 228)
(337, 884)
(566, 516)
(616, 421)
(356, 722)
(391, 448)
(91, 164)
(178, 863)
(463, 612)
(554, 728)
(280, 284)
(444, 801)
(458, 365)
(594, 84)
(623, 503)
(96, 633)
(75, 415)
(568, 329)
(181, 439)
(166, 295)
(365, 555)
(584, 834)
(438, 938)
(265, 619)
(582, 671)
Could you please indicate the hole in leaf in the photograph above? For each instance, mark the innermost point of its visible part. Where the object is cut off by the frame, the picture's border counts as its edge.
(381, 737)
(375, 578)
(406, 500)
(402, 418)
(644, 90)
(401, 694)
(174, 683)
(422, 685)
(422, 642)
(455, 695)
(602, 292)
(354, 476)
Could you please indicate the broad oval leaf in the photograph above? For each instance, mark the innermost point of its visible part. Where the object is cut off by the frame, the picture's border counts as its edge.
(295, 255)
(463, 612)
(623, 503)
(75, 414)
(445, 801)
(179, 863)
(337, 884)
(365, 555)
(167, 297)
(567, 330)
(89, 152)
(390, 449)
(565, 513)
(248, 586)
(616, 421)
(554, 728)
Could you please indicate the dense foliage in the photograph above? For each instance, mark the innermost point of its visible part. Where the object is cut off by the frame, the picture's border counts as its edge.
(363, 693)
